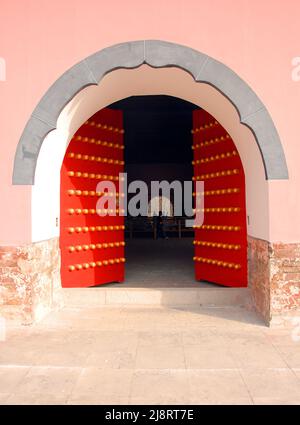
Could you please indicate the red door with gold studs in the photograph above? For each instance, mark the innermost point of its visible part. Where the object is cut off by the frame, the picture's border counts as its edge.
(92, 245)
(221, 241)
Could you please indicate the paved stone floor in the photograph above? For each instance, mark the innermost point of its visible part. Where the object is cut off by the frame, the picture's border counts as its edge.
(134, 355)
(160, 263)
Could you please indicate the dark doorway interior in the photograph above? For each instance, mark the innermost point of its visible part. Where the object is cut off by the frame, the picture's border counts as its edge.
(158, 147)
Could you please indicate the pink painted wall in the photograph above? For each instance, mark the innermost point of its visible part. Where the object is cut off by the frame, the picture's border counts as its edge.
(39, 40)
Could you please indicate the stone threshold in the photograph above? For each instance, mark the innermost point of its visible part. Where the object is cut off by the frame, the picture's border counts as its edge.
(93, 297)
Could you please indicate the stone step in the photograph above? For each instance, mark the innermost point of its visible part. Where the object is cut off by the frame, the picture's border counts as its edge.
(92, 297)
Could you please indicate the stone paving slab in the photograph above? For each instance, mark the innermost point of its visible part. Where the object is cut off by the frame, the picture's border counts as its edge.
(152, 355)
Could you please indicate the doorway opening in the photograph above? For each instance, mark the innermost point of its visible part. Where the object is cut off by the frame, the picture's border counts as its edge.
(158, 141)
(152, 138)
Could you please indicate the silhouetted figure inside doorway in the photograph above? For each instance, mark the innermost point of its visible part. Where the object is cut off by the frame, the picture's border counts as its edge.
(160, 226)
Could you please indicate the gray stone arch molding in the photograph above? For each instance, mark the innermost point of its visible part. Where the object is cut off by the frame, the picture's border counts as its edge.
(157, 54)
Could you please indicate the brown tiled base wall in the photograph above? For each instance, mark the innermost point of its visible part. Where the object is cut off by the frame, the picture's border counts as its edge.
(30, 281)
(284, 277)
(259, 275)
(274, 277)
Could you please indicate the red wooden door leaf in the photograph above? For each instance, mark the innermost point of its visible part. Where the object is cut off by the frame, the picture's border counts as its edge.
(92, 246)
(221, 242)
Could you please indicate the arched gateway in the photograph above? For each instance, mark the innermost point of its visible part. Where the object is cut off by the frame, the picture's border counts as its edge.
(228, 254)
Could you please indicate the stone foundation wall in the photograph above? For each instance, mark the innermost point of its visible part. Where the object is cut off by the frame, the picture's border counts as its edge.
(259, 275)
(284, 277)
(30, 281)
(274, 277)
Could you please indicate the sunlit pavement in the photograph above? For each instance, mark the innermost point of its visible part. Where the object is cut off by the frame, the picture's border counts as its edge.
(151, 355)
